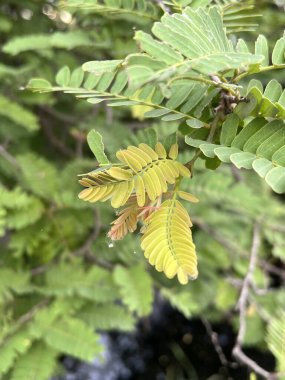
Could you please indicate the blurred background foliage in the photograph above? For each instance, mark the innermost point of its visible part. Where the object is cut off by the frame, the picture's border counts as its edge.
(60, 277)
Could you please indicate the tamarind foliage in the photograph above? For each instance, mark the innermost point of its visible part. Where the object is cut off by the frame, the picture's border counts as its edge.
(182, 103)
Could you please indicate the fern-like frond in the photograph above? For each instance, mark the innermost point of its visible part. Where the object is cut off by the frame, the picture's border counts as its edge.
(18, 114)
(12, 347)
(135, 287)
(197, 41)
(141, 10)
(107, 317)
(167, 241)
(186, 98)
(67, 280)
(144, 170)
(64, 40)
(238, 15)
(37, 364)
(259, 145)
(12, 281)
(268, 102)
(68, 335)
(271, 60)
(276, 340)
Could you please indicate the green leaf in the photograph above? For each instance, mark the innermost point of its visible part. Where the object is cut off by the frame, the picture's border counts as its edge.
(63, 77)
(101, 67)
(12, 281)
(124, 103)
(157, 49)
(184, 301)
(39, 84)
(76, 78)
(226, 296)
(261, 48)
(68, 335)
(208, 149)
(229, 129)
(244, 108)
(65, 40)
(200, 37)
(172, 117)
(224, 153)
(39, 175)
(278, 54)
(12, 347)
(107, 317)
(37, 364)
(95, 285)
(195, 123)
(262, 166)
(156, 113)
(273, 90)
(138, 11)
(136, 289)
(169, 141)
(243, 160)
(95, 143)
(248, 131)
(276, 338)
(276, 179)
(18, 114)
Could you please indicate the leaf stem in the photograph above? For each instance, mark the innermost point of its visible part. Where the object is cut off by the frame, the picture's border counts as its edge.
(262, 69)
(213, 127)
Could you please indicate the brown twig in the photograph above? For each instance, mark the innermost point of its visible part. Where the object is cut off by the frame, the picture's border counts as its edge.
(242, 307)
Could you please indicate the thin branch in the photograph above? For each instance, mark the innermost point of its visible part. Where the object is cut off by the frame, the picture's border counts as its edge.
(231, 247)
(85, 250)
(261, 70)
(242, 307)
(8, 157)
(243, 299)
(215, 341)
(52, 138)
(272, 269)
(60, 115)
(213, 127)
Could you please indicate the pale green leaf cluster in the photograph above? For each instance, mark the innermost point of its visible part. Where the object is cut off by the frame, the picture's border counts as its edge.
(37, 42)
(259, 145)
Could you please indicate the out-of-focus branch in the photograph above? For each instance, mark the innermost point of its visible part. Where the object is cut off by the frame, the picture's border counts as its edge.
(8, 157)
(215, 341)
(242, 307)
(85, 249)
(52, 138)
